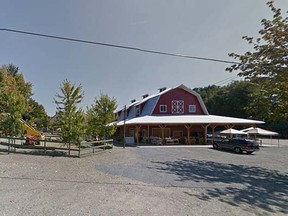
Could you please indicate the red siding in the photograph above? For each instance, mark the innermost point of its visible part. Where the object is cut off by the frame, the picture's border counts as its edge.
(178, 94)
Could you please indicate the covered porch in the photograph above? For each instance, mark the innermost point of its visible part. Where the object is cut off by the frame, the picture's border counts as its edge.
(171, 130)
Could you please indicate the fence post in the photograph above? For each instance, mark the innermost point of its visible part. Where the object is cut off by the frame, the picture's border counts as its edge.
(45, 145)
(14, 142)
(79, 153)
(8, 145)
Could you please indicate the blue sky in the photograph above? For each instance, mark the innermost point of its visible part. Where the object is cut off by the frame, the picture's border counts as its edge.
(204, 28)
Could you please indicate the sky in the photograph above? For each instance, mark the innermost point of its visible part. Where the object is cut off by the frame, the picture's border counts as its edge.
(203, 28)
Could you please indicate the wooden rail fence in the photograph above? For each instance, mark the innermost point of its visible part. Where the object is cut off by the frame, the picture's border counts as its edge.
(52, 147)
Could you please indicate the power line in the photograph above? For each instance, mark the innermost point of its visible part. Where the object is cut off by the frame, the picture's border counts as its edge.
(117, 46)
(226, 80)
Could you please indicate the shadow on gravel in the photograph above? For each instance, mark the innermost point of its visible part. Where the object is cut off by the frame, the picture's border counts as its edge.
(119, 144)
(266, 189)
(39, 152)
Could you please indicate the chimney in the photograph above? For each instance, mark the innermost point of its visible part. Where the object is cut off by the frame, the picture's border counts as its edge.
(146, 95)
(162, 89)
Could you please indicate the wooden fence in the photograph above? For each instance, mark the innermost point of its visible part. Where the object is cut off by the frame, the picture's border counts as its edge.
(52, 147)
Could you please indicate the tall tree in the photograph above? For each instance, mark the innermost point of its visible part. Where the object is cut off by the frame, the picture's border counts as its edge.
(24, 87)
(100, 116)
(267, 66)
(12, 104)
(16, 101)
(71, 118)
(230, 100)
(36, 114)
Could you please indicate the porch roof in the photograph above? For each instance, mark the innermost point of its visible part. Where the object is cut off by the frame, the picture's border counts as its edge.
(189, 119)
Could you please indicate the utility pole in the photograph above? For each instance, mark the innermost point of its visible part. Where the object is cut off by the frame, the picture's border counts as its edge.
(124, 141)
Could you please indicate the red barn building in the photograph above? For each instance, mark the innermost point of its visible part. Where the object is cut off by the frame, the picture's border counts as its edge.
(173, 115)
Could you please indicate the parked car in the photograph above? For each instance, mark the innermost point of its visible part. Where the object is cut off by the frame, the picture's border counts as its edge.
(215, 138)
(238, 145)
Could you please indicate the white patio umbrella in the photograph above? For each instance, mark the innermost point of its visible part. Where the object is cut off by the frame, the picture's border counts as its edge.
(247, 129)
(232, 132)
(259, 131)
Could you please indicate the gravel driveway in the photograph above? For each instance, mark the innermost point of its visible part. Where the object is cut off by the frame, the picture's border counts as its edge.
(146, 181)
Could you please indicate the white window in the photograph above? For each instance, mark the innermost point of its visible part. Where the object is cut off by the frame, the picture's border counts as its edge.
(192, 108)
(163, 108)
(177, 106)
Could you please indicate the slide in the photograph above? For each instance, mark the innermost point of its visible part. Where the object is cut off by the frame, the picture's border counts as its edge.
(30, 131)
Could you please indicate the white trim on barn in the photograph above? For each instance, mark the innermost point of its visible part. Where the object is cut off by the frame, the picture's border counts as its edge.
(189, 119)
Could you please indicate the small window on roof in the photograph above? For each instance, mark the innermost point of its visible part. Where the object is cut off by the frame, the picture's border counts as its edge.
(163, 108)
(192, 108)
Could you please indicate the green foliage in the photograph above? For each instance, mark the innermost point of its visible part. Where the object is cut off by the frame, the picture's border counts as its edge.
(36, 114)
(267, 66)
(24, 87)
(238, 100)
(280, 126)
(13, 103)
(231, 100)
(71, 119)
(100, 115)
(16, 102)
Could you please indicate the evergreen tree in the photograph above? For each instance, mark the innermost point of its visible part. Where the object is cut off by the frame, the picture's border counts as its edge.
(100, 116)
(71, 118)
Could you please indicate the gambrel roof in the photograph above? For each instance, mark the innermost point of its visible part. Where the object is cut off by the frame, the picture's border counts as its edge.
(151, 101)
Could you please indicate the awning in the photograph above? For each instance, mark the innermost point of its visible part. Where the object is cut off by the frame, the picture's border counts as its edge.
(188, 119)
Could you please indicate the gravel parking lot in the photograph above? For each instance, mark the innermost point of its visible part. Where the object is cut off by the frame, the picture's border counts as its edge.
(147, 181)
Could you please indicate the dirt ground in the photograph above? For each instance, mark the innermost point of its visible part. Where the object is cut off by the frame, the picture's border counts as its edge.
(139, 181)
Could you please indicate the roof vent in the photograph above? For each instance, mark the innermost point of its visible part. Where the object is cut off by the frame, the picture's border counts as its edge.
(162, 89)
(145, 96)
(132, 101)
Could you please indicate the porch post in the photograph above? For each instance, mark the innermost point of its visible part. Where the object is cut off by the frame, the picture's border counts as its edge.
(213, 132)
(162, 130)
(188, 126)
(137, 129)
(205, 126)
(148, 131)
